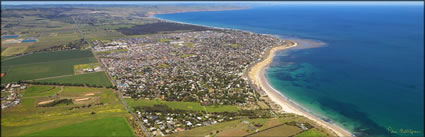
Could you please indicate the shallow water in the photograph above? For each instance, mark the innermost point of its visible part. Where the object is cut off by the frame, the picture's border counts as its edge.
(26, 41)
(367, 75)
(9, 36)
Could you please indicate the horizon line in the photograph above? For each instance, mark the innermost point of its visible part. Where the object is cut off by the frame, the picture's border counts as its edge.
(16, 3)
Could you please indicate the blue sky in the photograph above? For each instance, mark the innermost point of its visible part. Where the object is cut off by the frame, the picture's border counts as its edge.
(206, 2)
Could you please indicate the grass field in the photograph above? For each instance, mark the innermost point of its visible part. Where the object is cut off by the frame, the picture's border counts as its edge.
(235, 45)
(28, 119)
(103, 35)
(110, 126)
(55, 33)
(80, 67)
(312, 133)
(6, 57)
(17, 45)
(231, 128)
(59, 37)
(35, 91)
(189, 44)
(221, 127)
(48, 57)
(186, 55)
(262, 105)
(192, 106)
(165, 40)
(96, 78)
(13, 51)
(245, 127)
(284, 130)
(46, 64)
(48, 32)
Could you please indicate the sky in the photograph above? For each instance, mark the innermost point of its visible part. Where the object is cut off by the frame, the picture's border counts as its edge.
(206, 2)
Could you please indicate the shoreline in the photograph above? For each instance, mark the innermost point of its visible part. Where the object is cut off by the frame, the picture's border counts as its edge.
(213, 27)
(151, 14)
(219, 28)
(257, 76)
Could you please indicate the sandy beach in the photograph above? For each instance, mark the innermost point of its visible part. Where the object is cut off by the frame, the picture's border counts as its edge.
(256, 75)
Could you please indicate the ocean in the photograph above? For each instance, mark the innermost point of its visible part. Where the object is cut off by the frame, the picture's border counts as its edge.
(368, 74)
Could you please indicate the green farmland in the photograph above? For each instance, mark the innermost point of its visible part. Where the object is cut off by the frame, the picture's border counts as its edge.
(34, 91)
(52, 38)
(45, 64)
(100, 114)
(110, 126)
(191, 106)
(96, 78)
(312, 133)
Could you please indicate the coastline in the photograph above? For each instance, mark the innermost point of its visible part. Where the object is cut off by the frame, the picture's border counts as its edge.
(151, 14)
(257, 77)
(218, 28)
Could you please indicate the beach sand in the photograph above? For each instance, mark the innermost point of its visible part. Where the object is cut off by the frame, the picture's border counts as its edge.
(256, 75)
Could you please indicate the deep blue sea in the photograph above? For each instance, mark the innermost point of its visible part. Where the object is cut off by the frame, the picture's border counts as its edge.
(369, 75)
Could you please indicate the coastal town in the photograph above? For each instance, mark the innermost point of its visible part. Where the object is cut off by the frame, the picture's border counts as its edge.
(169, 122)
(145, 76)
(207, 67)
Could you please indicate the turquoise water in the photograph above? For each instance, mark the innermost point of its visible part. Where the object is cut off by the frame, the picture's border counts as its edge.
(369, 75)
(28, 40)
(10, 36)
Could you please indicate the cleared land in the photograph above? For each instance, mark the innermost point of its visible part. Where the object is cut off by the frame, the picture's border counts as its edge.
(191, 106)
(96, 78)
(36, 91)
(17, 45)
(62, 37)
(13, 51)
(80, 67)
(45, 64)
(101, 115)
(252, 127)
(84, 68)
(312, 133)
(283, 130)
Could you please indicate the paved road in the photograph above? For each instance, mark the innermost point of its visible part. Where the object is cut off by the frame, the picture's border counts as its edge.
(53, 77)
(63, 76)
(145, 131)
(13, 57)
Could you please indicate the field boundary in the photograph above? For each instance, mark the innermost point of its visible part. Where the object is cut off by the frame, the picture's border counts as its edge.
(47, 78)
(265, 129)
(42, 62)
